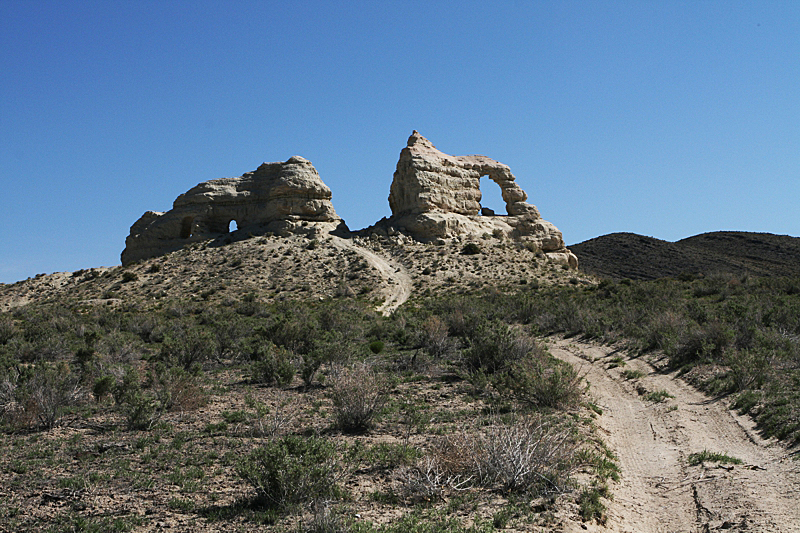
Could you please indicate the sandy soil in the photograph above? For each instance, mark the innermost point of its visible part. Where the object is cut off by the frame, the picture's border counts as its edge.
(659, 491)
(397, 282)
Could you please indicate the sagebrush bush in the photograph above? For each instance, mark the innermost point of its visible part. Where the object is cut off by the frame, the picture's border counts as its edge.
(376, 347)
(530, 455)
(39, 395)
(471, 248)
(292, 470)
(140, 409)
(494, 346)
(543, 381)
(176, 389)
(435, 338)
(7, 330)
(358, 393)
(187, 344)
(272, 365)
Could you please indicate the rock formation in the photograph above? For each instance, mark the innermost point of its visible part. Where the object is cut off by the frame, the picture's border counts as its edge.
(435, 196)
(277, 197)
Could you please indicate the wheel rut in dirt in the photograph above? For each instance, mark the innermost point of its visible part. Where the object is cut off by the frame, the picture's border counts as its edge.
(397, 282)
(659, 490)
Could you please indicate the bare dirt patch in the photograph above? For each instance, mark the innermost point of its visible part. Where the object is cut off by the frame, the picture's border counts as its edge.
(660, 491)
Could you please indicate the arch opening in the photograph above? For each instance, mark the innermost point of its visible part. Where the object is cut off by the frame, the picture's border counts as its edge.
(186, 227)
(491, 198)
(233, 226)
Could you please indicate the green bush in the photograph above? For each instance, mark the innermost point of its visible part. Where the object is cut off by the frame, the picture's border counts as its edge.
(176, 389)
(292, 470)
(103, 386)
(591, 507)
(7, 330)
(186, 345)
(272, 365)
(471, 248)
(376, 347)
(544, 381)
(39, 395)
(707, 456)
(494, 346)
(140, 409)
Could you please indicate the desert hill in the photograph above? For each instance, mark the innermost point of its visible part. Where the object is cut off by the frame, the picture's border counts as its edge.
(289, 243)
(271, 268)
(628, 255)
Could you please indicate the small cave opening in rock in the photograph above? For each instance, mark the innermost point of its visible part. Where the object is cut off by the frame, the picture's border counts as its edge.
(233, 226)
(491, 198)
(186, 227)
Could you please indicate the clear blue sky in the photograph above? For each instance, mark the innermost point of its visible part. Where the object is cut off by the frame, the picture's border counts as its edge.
(666, 118)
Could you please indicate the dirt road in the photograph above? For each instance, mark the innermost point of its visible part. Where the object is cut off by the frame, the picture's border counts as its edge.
(397, 282)
(659, 491)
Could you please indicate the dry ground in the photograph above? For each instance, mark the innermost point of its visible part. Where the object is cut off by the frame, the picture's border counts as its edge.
(180, 476)
(660, 492)
(273, 268)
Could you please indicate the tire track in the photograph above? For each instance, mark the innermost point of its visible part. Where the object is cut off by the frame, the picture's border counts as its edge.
(397, 282)
(659, 492)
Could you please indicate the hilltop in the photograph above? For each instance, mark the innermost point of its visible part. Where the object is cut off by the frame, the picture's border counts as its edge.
(628, 255)
(272, 268)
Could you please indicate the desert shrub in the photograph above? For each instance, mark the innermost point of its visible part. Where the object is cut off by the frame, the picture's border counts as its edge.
(657, 396)
(309, 366)
(494, 346)
(141, 325)
(293, 327)
(748, 369)
(103, 386)
(435, 338)
(543, 381)
(699, 458)
(120, 347)
(140, 409)
(590, 504)
(174, 388)
(39, 395)
(328, 347)
(292, 470)
(187, 344)
(471, 248)
(703, 343)
(229, 332)
(530, 455)
(128, 276)
(272, 365)
(7, 330)
(358, 394)
(376, 347)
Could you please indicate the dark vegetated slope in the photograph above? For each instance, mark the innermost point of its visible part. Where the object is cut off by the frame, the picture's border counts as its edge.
(628, 255)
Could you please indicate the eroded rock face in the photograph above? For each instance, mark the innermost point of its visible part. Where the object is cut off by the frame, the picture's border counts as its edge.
(275, 197)
(436, 196)
(427, 180)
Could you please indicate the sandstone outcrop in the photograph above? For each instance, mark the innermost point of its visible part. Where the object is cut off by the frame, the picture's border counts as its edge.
(277, 197)
(437, 196)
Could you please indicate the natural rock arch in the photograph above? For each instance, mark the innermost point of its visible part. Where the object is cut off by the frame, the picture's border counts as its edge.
(433, 196)
(436, 196)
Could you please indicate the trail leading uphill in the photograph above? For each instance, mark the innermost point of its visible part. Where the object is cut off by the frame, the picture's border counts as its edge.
(659, 491)
(397, 283)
